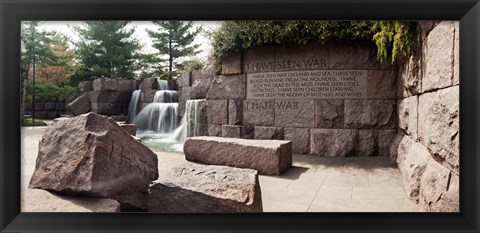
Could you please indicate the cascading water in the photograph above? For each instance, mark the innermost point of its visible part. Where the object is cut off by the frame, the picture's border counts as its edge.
(190, 124)
(157, 123)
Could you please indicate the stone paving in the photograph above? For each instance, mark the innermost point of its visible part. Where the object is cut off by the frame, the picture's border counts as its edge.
(313, 184)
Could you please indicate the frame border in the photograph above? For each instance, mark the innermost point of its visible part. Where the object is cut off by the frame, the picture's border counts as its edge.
(14, 11)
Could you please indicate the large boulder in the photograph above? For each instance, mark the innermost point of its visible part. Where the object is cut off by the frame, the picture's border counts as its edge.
(200, 188)
(79, 105)
(92, 155)
(439, 189)
(37, 200)
(270, 157)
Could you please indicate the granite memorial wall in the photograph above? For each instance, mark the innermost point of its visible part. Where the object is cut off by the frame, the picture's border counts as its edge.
(330, 99)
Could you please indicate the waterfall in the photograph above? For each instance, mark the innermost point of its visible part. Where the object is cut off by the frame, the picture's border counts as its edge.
(162, 84)
(166, 96)
(158, 117)
(132, 107)
(190, 124)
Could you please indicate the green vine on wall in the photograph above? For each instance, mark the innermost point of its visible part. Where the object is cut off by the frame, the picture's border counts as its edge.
(391, 38)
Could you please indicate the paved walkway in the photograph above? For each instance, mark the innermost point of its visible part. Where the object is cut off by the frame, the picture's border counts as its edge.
(313, 184)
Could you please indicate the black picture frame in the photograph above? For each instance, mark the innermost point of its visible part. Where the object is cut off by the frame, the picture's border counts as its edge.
(14, 11)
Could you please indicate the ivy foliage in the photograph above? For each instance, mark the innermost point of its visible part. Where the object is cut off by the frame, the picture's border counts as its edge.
(391, 38)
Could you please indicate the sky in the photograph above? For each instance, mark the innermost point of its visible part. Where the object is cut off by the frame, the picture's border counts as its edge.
(140, 33)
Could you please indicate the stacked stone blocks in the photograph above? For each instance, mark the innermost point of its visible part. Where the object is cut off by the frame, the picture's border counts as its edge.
(427, 145)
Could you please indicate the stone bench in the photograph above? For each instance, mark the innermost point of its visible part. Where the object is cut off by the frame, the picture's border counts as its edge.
(202, 188)
(270, 157)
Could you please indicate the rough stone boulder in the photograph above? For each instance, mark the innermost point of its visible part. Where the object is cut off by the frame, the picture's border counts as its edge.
(270, 157)
(37, 200)
(92, 155)
(130, 128)
(200, 188)
(439, 189)
(79, 105)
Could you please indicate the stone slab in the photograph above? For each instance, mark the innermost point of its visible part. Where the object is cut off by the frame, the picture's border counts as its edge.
(227, 87)
(270, 157)
(300, 138)
(438, 125)
(258, 113)
(439, 189)
(332, 84)
(352, 55)
(185, 80)
(311, 56)
(259, 59)
(382, 84)
(238, 131)
(79, 105)
(329, 113)
(92, 155)
(84, 86)
(439, 57)
(371, 113)
(108, 109)
(217, 112)
(412, 158)
(235, 108)
(408, 115)
(334, 142)
(263, 132)
(192, 188)
(294, 113)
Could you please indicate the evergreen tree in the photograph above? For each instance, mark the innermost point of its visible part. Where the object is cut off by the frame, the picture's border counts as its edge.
(106, 49)
(35, 51)
(174, 40)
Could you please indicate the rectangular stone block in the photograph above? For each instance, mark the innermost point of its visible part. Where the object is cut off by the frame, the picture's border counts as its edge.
(149, 84)
(52, 114)
(124, 96)
(214, 130)
(210, 189)
(259, 59)
(184, 95)
(300, 138)
(370, 114)
(439, 189)
(269, 157)
(103, 96)
(263, 132)
(382, 84)
(235, 111)
(126, 85)
(439, 57)
(412, 158)
(311, 56)
(237, 131)
(258, 112)
(375, 142)
(408, 116)
(353, 55)
(217, 112)
(329, 113)
(232, 64)
(79, 105)
(185, 80)
(147, 95)
(107, 109)
(334, 142)
(295, 113)
(84, 86)
(105, 84)
(227, 87)
(438, 125)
